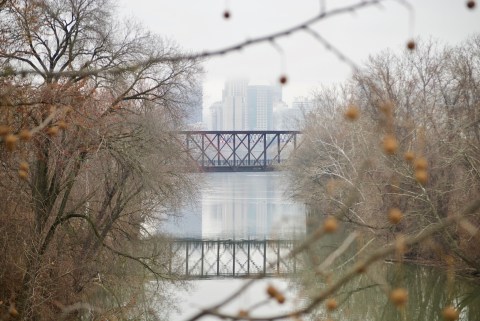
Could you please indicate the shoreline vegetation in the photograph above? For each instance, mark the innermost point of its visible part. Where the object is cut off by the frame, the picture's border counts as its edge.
(394, 150)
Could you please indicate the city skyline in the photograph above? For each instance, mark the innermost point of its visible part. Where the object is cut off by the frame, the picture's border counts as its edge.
(246, 106)
(303, 59)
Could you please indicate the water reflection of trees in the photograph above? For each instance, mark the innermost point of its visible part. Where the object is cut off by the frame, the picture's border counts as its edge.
(366, 297)
(129, 291)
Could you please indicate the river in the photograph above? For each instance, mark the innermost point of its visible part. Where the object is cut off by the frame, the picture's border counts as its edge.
(240, 206)
(254, 206)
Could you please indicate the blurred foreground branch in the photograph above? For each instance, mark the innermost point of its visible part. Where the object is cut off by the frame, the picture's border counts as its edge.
(171, 58)
(398, 246)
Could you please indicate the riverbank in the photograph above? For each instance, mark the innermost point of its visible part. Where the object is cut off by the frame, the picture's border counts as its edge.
(469, 274)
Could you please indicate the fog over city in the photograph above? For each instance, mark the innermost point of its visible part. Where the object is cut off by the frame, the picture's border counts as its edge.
(200, 25)
(255, 70)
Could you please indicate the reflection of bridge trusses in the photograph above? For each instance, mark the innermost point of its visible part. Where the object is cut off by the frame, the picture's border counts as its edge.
(196, 258)
(239, 150)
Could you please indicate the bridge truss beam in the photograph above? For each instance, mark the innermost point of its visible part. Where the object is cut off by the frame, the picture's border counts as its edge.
(239, 150)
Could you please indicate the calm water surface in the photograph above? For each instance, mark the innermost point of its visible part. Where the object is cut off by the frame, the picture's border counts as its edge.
(245, 206)
(241, 206)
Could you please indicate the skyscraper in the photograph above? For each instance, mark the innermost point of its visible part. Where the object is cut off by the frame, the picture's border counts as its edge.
(277, 94)
(235, 105)
(260, 107)
(245, 107)
(194, 105)
(216, 114)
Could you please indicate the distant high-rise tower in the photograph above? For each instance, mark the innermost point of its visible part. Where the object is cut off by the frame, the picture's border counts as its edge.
(235, 105)
(277, 94)
(195, 105)
(260, 107)
(216, 114)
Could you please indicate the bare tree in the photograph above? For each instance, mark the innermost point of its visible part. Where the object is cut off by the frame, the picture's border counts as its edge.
(412, 149)
(88, 159)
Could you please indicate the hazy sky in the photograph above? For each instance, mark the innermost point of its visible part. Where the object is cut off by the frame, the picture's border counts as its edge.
(198, 25)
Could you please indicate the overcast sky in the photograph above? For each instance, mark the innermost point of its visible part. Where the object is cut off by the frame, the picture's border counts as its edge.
(198, 25)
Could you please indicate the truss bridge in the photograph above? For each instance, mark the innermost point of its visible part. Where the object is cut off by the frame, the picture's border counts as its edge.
(232, 151)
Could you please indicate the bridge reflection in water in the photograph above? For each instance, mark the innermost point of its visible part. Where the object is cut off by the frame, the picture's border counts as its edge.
(200, 259)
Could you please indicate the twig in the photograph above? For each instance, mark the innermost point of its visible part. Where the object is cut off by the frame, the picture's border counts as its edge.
(339, 251)
(355, 270)
(213, 53)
